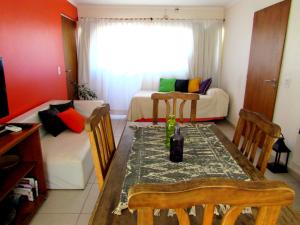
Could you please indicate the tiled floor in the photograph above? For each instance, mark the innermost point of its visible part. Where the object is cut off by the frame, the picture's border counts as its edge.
(74, 207)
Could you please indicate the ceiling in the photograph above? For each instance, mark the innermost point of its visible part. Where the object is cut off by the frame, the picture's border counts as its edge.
(157, 2)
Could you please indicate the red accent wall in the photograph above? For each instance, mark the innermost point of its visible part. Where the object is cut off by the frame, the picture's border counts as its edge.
(32, 48)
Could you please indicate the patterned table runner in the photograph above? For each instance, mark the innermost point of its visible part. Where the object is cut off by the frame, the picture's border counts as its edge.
(204, 156)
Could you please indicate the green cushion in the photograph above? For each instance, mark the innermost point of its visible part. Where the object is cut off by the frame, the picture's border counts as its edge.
(167, 85)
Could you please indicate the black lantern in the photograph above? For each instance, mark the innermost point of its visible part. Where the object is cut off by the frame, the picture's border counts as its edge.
(279, 147)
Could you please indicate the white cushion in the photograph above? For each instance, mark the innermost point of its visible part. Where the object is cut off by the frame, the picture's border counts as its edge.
(67, 160)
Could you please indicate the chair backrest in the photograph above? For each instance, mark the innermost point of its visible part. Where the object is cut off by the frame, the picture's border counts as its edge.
(256, 131)
(174, 96)
(267, 196)
(99, 128)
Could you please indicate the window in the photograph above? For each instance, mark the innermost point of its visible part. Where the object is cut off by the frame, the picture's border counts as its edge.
(117, 58)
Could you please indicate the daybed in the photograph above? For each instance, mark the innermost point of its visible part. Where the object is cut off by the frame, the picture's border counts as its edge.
(212, 106)
(67, 158)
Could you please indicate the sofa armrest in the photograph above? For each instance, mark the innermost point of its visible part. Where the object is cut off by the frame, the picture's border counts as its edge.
(221, 98)
(217, 92)
(86, 107)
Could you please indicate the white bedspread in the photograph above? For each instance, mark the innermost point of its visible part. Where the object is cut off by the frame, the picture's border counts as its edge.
(210, 106)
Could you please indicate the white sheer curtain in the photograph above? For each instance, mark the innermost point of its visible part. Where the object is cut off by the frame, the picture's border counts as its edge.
(119, 57)
(206, 57)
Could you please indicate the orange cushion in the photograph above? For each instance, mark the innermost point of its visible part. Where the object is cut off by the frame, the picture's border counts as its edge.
(194, 85)
(73, 120)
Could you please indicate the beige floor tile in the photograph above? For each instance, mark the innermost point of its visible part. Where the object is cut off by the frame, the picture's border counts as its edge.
(54, 219)
(115, 124)
(117, 133)
(118, 127)
(119, 130)
(123, 122)
(96, 180)
(117, 140)
(92, 178)
(279, 176)
(91, 200)
(114, 121)
(65, 201)
(296, 204)
(118, 117)
(226, 128)
(296, 186)
(83, 219)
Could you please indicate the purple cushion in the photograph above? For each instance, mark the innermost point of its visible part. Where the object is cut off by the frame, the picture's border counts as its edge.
(204, 86)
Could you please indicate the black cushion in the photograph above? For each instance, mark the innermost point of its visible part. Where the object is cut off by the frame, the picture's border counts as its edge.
(63, 107)
(52, 122)
(182, 85)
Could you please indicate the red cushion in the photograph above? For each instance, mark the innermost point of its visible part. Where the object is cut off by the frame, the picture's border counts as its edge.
(73, 120)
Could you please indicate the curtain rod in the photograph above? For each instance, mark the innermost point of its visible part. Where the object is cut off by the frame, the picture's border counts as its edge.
(147, 18)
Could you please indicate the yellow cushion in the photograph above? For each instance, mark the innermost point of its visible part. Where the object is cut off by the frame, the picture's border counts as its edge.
(194, 85)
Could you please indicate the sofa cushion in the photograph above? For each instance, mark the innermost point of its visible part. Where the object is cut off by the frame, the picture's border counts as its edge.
(182, 85)
(67, 160)
(205, 86)
(63, 107)
(67, 147)
(167, 84)
(194, 85)
(72, 119)
(51, 122)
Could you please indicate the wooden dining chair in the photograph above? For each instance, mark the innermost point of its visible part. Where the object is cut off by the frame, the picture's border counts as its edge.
(174, 96)
(99, 128)
(267, 196)
(256, 131)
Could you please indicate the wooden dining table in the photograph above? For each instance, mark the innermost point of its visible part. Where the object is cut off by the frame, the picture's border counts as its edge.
(110, 193)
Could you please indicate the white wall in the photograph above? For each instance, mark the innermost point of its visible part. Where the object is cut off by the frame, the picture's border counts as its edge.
(287, 109)
(238, 28)
(150, 11)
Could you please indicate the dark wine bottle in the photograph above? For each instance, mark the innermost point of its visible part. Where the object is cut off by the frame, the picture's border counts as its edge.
(176, 146)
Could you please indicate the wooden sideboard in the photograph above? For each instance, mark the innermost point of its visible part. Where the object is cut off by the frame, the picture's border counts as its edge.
(26, 144)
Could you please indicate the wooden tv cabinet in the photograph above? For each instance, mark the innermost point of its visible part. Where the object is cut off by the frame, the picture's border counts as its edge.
(26, 144)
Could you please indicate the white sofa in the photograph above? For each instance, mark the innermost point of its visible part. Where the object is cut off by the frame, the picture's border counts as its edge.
(212, 106)
(67, 158)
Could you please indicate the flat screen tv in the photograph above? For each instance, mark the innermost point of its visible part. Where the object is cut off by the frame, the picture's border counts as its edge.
(3, 96)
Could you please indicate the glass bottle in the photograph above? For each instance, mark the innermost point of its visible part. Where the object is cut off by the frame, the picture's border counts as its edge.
(170, 128)
(176, 146)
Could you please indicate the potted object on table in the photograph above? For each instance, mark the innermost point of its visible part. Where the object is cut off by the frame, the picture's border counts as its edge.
(84, 92)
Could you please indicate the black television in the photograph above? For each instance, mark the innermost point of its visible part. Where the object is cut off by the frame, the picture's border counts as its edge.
(3, 96)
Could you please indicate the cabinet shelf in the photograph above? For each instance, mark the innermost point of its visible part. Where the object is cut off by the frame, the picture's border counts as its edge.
(12, 177)
(26, 211)
(26, 144)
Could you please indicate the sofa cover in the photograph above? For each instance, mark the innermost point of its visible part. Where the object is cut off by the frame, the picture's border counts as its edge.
(212, 106)
(67, 158)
